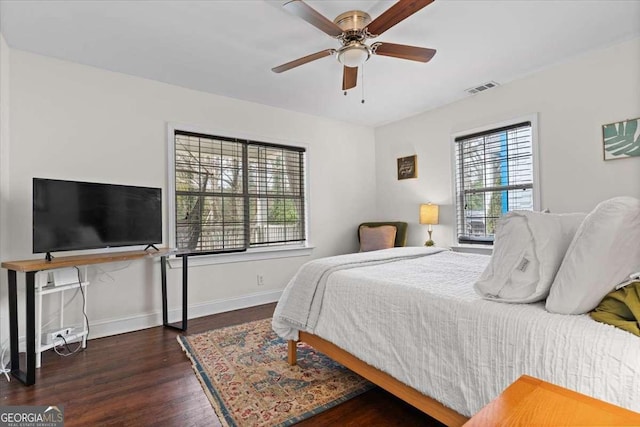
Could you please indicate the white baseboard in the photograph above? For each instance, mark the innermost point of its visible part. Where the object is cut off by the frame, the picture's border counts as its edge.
(135, 323)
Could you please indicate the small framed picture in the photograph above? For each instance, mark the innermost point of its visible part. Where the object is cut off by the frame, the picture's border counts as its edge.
(408, 167)
(621, 139)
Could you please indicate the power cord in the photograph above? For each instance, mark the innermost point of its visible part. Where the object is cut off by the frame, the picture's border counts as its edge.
(3, 367)
(102, 272)
(66, 345)
(84, 304)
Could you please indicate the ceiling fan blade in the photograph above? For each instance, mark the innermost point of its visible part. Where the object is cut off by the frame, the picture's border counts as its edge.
(303, 60)
(402, 51)
(309, 14)
(349, 77)
(396, 13)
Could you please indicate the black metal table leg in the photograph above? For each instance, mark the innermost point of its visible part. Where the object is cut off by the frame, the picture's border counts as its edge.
(13, 323)
(165, 310)
(185, 272)
(163, 269)
(27, 377)
(31, 327)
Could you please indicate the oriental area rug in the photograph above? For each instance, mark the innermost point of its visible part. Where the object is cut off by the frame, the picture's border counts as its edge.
(244, 372)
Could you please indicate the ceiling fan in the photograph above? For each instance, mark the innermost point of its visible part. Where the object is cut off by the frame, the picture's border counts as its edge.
(352, 29)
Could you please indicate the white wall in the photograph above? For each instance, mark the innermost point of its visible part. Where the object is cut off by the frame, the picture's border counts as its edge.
(4, 172)
(70, 121)
(573, 100)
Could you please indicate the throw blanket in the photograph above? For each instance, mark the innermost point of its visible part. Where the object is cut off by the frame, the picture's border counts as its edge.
(301, 301)
(621, 308)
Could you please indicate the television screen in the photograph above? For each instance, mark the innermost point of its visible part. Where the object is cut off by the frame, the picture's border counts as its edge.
(70, 215)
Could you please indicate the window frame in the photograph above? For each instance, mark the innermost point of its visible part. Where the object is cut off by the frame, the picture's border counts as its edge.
(533, 119)
(250, 254)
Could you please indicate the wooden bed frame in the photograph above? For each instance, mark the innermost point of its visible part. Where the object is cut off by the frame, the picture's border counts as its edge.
(410, 395)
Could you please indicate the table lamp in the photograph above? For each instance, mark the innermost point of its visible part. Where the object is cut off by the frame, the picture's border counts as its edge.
(429, 215)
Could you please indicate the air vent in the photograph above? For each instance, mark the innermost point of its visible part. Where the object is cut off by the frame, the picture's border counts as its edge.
(482, 87)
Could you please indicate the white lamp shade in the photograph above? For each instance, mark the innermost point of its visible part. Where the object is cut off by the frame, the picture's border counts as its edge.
(354, 55)
(429, 214)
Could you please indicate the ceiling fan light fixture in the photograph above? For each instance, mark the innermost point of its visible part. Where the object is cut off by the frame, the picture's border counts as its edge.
(352, 29)
(354, 55)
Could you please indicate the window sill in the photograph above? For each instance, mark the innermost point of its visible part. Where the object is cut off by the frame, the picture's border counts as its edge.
(250, 255)
(473, 249)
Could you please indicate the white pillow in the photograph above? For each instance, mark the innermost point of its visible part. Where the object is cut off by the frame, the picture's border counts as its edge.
(605, 249)
(527, 252)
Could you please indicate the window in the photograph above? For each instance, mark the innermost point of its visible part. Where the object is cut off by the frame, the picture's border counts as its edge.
(494, 175)
(234, 194)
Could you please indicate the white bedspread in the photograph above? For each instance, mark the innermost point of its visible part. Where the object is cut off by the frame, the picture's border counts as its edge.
(421, 321)
(303, 296)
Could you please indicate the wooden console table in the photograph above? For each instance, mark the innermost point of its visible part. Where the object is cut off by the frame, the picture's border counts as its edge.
(31, 267)
(533, 402)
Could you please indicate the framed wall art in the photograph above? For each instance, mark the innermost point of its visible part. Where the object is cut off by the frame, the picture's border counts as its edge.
(408, 167)
(621, 139)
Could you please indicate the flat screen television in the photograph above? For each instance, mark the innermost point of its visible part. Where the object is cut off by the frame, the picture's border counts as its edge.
(71, 215)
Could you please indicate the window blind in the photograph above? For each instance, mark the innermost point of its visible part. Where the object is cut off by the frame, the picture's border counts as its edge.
(233, 194)
(494, 175)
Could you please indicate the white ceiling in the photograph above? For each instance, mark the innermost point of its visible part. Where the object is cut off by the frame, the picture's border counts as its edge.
(229, 47)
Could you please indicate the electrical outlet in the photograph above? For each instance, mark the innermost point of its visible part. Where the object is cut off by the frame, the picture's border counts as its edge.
(260, 279)
(52, 336)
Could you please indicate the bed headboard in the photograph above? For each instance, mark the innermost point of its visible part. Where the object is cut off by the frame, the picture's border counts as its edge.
(401, 231)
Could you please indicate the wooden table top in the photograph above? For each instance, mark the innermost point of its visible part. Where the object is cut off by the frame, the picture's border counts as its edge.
(530, 401)
(41, 264)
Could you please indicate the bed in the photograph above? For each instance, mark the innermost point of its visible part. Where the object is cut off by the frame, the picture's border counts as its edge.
(409, 320)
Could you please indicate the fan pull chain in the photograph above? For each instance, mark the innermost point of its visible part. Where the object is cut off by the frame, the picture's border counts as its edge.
(362, 72)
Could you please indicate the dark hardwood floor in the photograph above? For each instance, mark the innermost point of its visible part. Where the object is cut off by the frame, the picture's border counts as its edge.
(143, 378)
